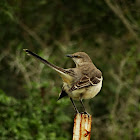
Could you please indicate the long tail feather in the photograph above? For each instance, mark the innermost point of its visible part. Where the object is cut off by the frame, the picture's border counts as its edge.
(62, 94)
(58, 69)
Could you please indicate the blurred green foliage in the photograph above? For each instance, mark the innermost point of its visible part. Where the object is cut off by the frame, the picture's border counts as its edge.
(31, 119)
(108, 31)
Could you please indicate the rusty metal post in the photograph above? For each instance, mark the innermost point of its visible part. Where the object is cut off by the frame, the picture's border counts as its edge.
(82, 127)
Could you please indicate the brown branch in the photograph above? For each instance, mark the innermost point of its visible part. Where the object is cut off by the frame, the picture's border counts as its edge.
(32, 33)
(116, 9)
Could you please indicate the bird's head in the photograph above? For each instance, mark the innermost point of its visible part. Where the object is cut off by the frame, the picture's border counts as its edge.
(79, 58)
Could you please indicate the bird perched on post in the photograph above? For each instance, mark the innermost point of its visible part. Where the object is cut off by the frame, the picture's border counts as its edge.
(82, 82)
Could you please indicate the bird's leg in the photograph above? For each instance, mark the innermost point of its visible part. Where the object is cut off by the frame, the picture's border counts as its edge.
(75, 108)
(82, 105)
(85, 112)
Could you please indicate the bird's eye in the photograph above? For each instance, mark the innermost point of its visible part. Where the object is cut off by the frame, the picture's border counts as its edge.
(76, 56)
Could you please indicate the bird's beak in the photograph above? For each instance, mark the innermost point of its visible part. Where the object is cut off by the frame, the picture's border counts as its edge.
(69, 55)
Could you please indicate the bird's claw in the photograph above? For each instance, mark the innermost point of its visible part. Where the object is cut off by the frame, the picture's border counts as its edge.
(85, 113)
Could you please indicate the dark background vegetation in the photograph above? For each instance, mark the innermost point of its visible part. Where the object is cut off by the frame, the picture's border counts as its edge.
(108, 30)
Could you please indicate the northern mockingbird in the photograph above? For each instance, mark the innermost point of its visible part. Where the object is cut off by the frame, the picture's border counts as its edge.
(82, 82)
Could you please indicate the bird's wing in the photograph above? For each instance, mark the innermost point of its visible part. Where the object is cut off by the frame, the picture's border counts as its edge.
(85, 81)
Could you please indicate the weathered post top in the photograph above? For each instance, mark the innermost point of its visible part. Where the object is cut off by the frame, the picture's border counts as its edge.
(82, 127)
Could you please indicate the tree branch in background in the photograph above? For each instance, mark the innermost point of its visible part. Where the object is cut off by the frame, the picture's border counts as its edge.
(116, 9)
(32, 33)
